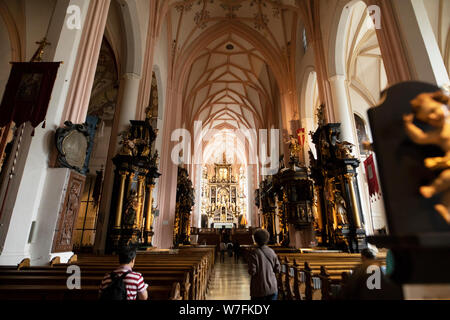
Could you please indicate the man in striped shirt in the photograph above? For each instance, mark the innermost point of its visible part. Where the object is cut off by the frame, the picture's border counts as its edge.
(134, 282)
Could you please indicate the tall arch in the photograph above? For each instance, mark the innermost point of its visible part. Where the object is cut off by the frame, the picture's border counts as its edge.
(438, 13)
(356, 61)
(13, 32)
(133, 41)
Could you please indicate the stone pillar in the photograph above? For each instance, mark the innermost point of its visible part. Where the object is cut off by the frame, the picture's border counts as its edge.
(425, 59)
(29, 203)
(342, 108)
(83, 75)
(131, 83)
(126, 111)
(164, 224)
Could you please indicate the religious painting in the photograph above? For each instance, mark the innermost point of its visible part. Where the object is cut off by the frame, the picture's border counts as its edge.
(28, 92)
(29, 86)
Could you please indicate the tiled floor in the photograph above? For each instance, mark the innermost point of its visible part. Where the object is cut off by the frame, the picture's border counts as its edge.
(229, 281)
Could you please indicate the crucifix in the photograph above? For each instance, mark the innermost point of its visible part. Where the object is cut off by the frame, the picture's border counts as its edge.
(37, 57)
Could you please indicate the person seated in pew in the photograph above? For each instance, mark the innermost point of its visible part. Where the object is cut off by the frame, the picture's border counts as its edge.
(135, 286)
(263, 265)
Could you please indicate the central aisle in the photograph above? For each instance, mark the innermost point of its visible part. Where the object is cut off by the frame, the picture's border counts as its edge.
(229, 281)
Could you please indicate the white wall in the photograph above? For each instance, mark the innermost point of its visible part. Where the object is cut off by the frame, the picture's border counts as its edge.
(30, 197)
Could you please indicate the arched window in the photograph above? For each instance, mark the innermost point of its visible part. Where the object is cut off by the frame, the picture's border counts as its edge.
(305, 40)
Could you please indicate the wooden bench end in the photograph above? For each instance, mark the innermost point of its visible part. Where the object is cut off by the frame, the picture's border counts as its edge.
(25, 263)
(56, 260)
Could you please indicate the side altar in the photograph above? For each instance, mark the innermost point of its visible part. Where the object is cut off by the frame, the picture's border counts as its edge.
(132, 214)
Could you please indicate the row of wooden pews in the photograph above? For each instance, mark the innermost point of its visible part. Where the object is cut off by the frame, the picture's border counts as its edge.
(181, 274)
(316, 275)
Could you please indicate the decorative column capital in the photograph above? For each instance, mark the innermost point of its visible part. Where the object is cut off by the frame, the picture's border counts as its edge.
(131, 76)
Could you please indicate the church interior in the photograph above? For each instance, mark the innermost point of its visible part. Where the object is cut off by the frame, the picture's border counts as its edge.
(177, 125)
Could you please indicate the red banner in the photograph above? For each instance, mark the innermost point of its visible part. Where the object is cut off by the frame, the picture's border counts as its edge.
(301, 136)
(28, 93)
(374, 187)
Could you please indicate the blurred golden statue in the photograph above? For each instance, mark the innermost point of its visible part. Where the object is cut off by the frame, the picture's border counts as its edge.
(432, 109)
(294, 146)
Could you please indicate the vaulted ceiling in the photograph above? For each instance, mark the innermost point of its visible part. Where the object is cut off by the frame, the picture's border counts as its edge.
(230, 86)
(231, 83)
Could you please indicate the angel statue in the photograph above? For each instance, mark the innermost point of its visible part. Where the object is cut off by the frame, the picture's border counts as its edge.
(128, 145)
(344, 150)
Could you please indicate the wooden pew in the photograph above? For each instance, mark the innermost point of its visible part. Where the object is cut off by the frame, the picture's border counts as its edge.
(312, 276)
(61, 292)
(171, 276)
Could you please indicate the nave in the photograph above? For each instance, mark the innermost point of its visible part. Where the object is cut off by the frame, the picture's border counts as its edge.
(229, 281)
(173, 126)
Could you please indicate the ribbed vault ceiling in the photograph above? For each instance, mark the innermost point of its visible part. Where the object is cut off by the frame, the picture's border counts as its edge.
(230, 84)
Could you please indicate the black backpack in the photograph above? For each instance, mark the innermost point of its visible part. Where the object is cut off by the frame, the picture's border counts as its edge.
(117, 289)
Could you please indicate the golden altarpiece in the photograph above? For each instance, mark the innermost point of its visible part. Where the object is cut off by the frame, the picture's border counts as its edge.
(223, 196)
(131, 219)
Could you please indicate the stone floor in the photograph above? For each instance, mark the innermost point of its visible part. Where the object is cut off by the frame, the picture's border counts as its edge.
(229, 281)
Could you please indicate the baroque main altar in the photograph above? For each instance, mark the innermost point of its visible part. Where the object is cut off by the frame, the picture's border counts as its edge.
(223, 196)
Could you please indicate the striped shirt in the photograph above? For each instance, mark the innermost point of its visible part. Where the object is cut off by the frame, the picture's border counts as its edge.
(133, 281)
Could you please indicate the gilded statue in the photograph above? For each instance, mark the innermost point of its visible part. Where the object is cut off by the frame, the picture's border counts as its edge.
(294, 146)
(433, 109)
(344, 150)
(131, 210)
(341, 208)
(128, 145)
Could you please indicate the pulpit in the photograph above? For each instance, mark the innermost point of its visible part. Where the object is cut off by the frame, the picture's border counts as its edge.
(296, 196)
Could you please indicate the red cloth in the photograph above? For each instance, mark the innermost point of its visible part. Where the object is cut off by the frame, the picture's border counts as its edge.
(374, 187)
(28, 93)
(301, 136)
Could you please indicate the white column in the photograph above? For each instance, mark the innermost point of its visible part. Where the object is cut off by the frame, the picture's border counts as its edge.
(342, 107)
(425, 58)
(344, 115)
(131, 83)
(164, 224)
(127, 111)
